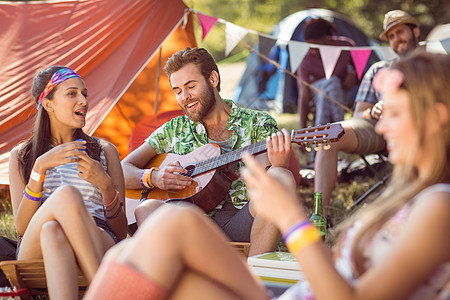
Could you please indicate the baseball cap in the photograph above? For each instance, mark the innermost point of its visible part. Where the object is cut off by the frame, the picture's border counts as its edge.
(396, 17)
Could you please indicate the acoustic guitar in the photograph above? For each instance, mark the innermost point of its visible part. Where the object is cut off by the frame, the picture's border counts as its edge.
(211, 181)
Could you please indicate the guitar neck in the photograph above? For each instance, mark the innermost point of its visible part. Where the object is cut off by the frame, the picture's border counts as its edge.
(228, 158)
(309, 138)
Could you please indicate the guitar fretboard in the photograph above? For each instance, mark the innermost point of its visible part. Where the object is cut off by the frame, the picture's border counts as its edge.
(228, 158)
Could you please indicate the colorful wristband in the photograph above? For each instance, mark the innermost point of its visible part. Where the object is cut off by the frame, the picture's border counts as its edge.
(144, 179)
(36, 176)
(302, 237)
(150, 174)
(31, 195)
(294, 228)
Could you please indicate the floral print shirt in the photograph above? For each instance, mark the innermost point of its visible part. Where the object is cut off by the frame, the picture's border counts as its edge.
(181, 136)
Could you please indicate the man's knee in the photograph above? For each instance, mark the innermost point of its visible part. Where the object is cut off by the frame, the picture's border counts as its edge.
(146, 208)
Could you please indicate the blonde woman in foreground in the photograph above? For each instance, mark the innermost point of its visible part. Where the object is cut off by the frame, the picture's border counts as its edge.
(397, 248)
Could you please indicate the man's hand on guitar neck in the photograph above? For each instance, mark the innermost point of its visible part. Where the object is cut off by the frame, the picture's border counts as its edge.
(279, 148)
(170, 177)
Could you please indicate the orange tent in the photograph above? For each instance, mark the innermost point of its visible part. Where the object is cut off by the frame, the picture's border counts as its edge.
(117, 46)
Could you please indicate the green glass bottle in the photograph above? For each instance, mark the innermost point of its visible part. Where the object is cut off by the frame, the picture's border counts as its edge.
(317, 218)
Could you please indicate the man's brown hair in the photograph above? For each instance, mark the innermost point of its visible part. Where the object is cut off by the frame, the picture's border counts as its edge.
(198, 56)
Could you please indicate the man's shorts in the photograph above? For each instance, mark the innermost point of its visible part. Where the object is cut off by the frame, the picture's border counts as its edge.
(235, 223)
(369, 141)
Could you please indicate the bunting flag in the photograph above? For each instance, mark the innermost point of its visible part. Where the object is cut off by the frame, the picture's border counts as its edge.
(360, 58)
(206, 22)
(330, 56)
(435, 46)
(446, 44)
(234, 35)
(297, 51)
(265, 45)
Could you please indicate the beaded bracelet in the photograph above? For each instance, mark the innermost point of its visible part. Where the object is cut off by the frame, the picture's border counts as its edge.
(150, 174)
(302, 237)
(144, 179)
(36, 176)
(113, 201)
(31, 195)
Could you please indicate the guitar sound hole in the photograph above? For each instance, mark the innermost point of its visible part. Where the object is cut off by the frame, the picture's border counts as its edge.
(190, 170)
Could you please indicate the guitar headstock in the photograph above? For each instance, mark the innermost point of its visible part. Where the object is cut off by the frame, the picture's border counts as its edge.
(314, 136)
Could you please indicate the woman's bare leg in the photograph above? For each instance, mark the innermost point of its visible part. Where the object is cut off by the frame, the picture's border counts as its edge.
(180, 241)
(60, 263)
(66, 207)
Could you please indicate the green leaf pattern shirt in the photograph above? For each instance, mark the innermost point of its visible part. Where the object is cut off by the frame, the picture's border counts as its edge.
(181, 136)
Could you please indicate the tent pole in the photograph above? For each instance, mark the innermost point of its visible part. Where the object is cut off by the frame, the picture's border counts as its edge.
(157, 81)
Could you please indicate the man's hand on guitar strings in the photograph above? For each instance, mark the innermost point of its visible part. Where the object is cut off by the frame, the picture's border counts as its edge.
(170, 177)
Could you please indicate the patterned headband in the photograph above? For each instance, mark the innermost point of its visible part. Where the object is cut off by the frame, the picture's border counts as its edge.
(60, 76)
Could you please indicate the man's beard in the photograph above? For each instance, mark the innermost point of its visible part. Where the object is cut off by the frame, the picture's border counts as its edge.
(411, 44)
(206, 102)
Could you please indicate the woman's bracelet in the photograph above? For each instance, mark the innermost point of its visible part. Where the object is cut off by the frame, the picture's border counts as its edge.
(113, 201)
(302, 236)
(294, 228)
(31, 195)
(36, 176)
(116, 214)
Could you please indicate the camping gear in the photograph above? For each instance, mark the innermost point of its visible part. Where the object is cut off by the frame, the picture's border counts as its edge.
(263, 86)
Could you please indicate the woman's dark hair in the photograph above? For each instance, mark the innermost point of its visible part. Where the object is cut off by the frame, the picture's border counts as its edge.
(41, 139)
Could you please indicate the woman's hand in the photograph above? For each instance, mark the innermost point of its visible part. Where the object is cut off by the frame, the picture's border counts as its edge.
(59, 155)
(272, 200)
(92, 171)
(279, 148)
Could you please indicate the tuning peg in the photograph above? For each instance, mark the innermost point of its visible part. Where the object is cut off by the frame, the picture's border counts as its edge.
(316, 147)
(307, 147)
(326, 147)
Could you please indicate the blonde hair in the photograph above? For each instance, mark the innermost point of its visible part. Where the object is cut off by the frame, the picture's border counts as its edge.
(427, 79)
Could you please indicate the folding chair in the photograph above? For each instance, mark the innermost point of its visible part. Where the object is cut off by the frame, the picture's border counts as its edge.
(30, 274)
(382, 180)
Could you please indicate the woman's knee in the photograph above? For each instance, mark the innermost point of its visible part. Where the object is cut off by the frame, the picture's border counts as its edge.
(52, 235)
(66, 197)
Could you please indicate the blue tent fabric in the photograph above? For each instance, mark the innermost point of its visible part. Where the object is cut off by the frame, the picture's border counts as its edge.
(263, 86)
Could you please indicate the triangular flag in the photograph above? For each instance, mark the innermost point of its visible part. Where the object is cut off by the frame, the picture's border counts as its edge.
(446, 44)
(206, 22)
(234, 36)
(330, 56)
(388, 53)
(266, 44)
(297, 51)
(435, 46)
(360, 58)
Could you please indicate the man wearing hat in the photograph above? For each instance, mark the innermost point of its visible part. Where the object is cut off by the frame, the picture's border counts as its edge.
(402, 32)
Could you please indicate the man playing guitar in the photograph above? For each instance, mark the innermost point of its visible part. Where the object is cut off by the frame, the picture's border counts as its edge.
(209, 119)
